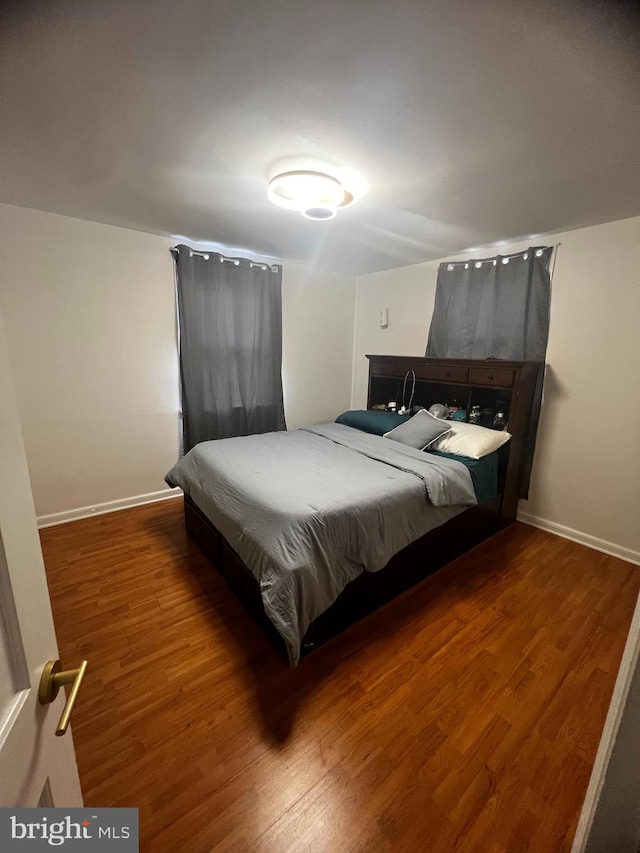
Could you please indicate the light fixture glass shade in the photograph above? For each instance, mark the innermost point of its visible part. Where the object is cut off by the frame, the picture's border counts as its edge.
(306, 191)
(319, 213)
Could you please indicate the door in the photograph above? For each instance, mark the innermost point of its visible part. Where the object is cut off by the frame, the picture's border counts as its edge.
(36, 767)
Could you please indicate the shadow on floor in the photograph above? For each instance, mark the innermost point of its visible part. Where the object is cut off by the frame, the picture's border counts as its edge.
(281, 691)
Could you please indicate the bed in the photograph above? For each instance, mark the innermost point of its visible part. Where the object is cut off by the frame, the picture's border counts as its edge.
(316, 528)
(308, 511)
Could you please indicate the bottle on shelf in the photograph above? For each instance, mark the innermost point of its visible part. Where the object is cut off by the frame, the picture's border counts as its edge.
(500, 421)
(475, 415)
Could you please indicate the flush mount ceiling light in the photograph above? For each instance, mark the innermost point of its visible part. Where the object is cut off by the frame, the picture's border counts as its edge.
(316, 195)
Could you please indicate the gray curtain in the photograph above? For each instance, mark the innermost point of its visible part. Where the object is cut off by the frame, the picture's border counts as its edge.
(497, 308)
(230, 321)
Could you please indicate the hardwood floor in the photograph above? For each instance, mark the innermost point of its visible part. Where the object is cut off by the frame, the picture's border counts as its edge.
(464, 716)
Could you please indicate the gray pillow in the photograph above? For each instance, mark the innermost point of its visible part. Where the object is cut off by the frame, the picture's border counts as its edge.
(419, 431)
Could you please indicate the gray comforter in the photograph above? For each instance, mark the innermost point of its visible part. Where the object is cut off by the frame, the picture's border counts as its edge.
(309, 510)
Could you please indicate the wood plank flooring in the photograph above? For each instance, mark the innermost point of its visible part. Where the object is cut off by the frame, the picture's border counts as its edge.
(463, 716)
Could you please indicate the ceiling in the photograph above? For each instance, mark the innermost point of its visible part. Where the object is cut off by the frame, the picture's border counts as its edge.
(472, 122)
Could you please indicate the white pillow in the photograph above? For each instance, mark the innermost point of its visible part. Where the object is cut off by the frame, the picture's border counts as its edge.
(470, 440)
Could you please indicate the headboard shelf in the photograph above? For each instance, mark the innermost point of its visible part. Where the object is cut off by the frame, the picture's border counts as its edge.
(488, 383)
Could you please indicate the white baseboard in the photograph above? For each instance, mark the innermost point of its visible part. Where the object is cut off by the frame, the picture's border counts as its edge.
(109, 506)
(594, 542)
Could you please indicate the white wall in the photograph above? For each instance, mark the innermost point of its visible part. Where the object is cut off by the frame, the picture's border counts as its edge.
(317, 347)
(90, 319)
(408, 293)
(586, 476)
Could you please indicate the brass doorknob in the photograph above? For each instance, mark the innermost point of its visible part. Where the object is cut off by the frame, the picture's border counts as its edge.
(52, 679)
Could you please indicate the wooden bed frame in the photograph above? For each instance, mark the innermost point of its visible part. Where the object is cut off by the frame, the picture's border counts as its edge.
(368, 591)
(518, 382)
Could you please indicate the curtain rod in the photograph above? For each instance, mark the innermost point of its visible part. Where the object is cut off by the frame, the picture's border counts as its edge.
(235, 261)
(493, 259)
